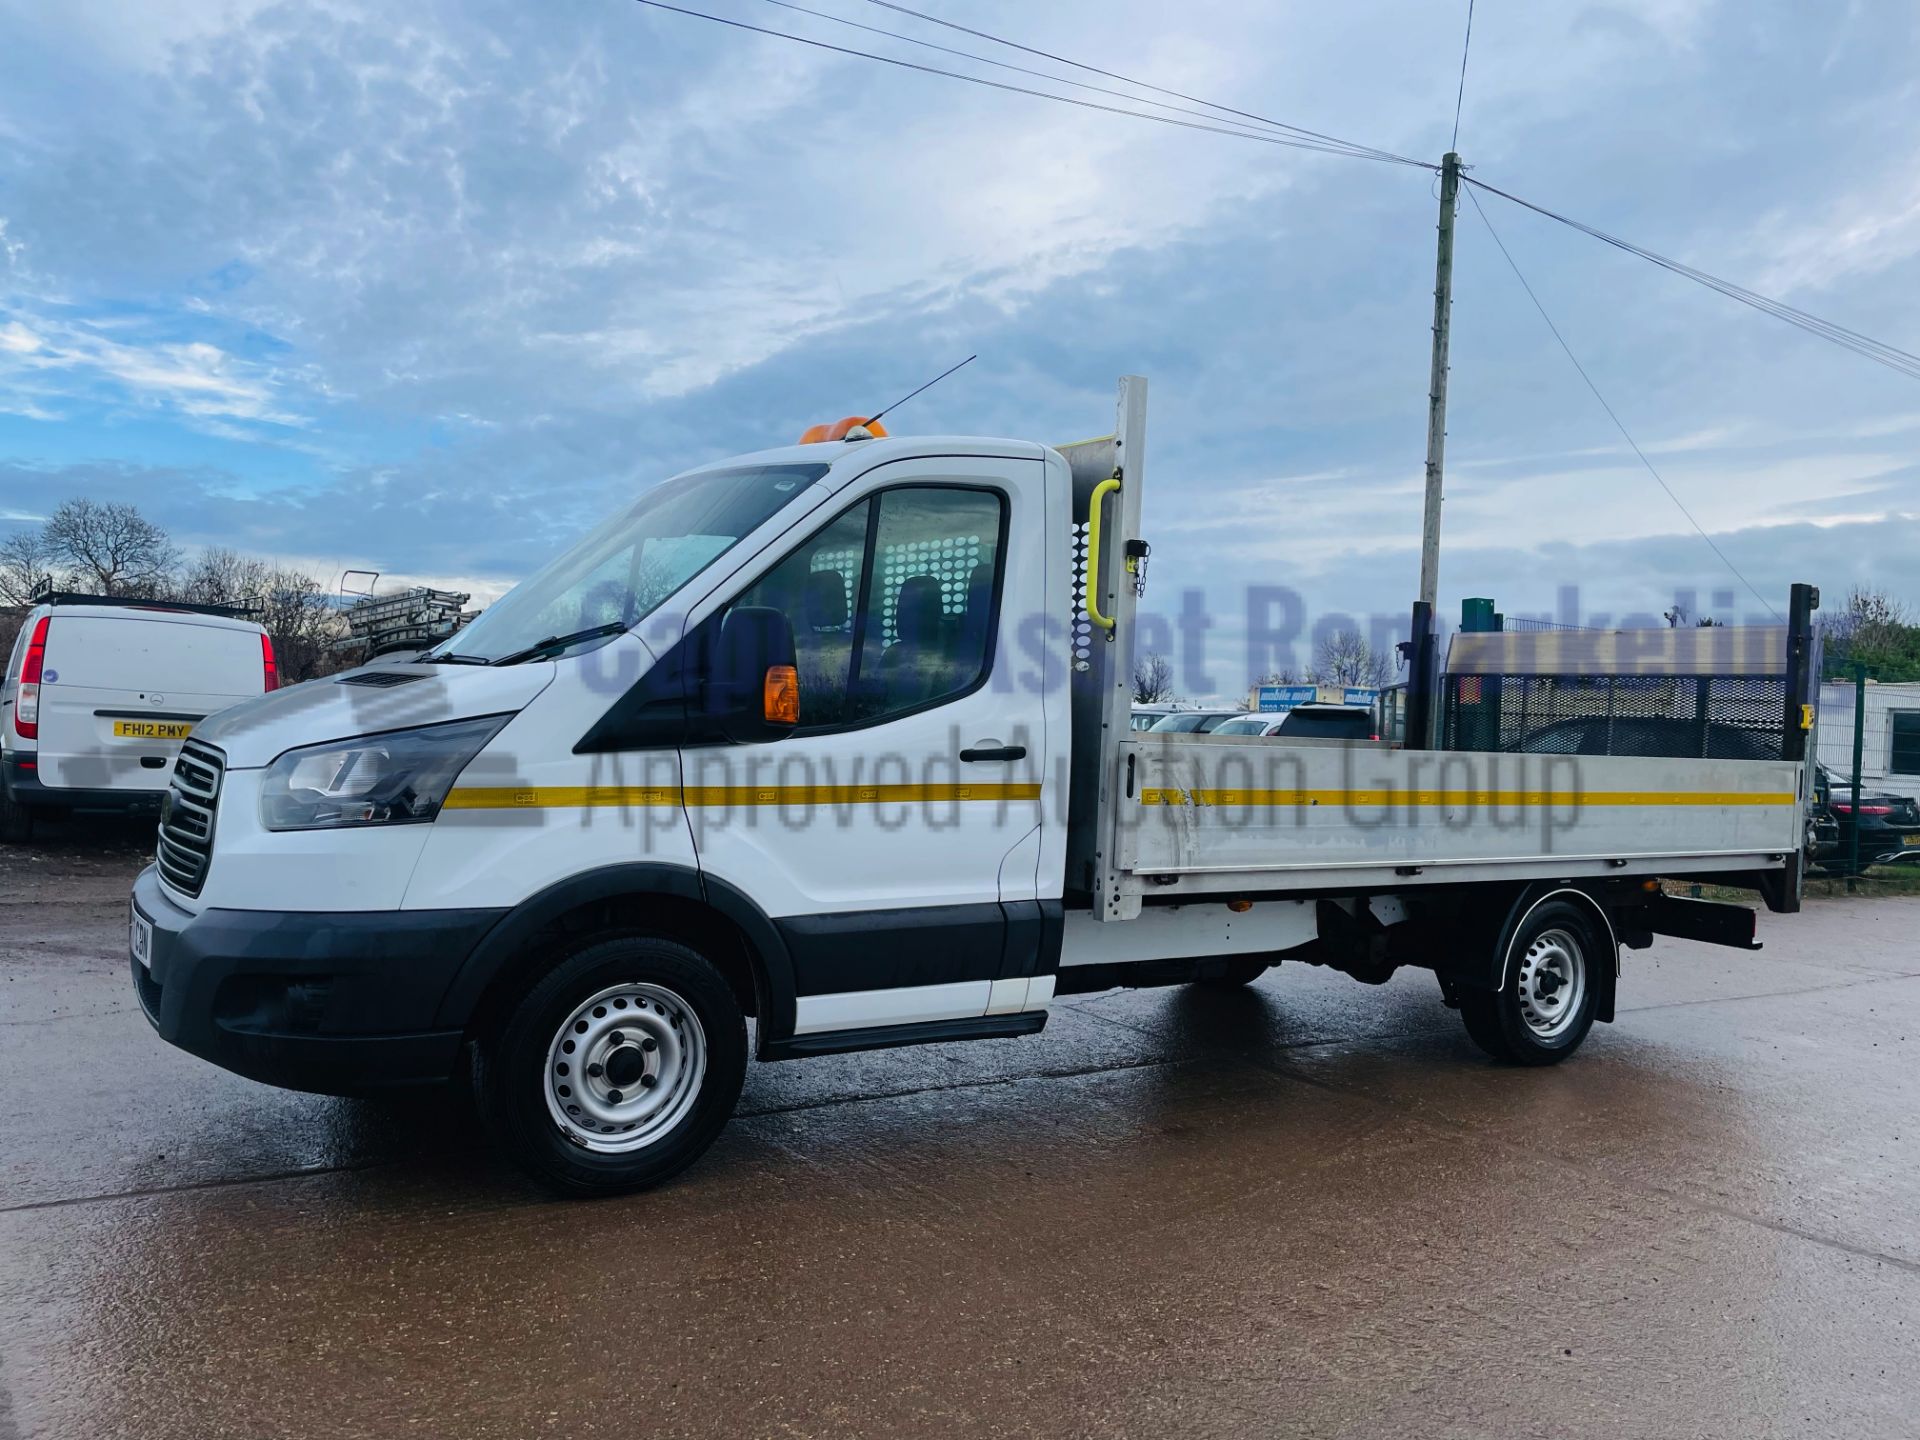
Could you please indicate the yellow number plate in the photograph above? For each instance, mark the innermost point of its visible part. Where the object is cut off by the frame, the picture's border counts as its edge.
(151, 729)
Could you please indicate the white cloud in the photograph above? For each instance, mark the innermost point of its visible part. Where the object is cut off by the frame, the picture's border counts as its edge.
(60, 357)
(493, 264)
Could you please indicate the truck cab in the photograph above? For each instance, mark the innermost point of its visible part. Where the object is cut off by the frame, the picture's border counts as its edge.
(789, 714)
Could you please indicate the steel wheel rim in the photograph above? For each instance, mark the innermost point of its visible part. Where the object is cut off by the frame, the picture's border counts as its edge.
(1553, 983)
(625, 1068)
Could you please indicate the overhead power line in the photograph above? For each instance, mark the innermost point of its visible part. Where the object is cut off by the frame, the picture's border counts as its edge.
(1366, 150)
(1358, 151)
(1890, 356)
(1461, 94)
(1264, 137)
(1611, 415)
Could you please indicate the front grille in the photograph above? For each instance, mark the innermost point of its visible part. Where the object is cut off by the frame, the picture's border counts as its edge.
(186, 829)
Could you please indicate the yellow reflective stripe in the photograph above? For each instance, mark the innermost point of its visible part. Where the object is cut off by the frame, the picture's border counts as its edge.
(553, 797)
(852, 794)
(575, 797)
(1363, 798)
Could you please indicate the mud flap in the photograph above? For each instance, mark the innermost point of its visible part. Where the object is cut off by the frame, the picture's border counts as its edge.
(1711, 922)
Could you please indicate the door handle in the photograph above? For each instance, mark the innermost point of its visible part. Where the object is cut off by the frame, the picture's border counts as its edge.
(994, 752)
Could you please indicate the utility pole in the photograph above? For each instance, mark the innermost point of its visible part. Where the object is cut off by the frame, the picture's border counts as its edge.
(1859, 753)
(1437, 385)
(1437, 402)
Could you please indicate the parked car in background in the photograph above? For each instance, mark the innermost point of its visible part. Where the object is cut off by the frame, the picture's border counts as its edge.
(1889, 823)
(1255, 724)
(1192, 722)
(1306, 722)
(1145, 717)
(1327, 722)
(99, 692)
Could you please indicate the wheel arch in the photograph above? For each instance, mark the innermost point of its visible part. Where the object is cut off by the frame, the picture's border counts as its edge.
(1468, 936)
(1604, 976)
(674, 901)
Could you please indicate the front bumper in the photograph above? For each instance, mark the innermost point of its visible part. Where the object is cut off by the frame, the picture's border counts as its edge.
(338, 1002)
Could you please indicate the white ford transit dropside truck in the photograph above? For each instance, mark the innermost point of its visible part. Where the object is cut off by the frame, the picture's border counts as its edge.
(836, 738)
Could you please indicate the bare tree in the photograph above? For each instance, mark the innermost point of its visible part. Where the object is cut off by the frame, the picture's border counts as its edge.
(1152, 679)
(25, 567)
(1345, 658)
(109, 549)
(1875, 630)
(306, 626)
(1871, 618)
(1286, 675)
(224, 577)
(292, 606)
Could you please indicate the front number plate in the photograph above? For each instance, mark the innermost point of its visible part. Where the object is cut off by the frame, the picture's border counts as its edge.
(140, 938)
(152, 729)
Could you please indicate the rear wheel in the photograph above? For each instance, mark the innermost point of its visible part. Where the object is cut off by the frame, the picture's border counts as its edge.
(1544, 1007)
(616, 1069)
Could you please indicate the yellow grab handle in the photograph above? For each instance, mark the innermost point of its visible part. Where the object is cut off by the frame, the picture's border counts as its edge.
(1100, 492)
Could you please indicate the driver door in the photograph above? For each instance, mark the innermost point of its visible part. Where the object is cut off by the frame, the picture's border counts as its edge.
(884, 833)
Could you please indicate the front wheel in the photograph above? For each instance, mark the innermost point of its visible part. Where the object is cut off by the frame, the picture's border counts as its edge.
(616, 1069)
(1544, 1007)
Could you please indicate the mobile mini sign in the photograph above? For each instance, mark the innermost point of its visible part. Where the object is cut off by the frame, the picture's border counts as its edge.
(1281, 698)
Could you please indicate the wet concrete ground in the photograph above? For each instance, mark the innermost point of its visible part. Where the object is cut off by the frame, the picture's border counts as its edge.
(1308, 1209)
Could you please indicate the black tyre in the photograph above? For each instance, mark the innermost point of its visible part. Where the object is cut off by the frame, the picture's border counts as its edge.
(16, 821)
(1234, 971)
(1543, 1010)
(616, 1069)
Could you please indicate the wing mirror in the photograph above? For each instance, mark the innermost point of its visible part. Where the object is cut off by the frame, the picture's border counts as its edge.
(753, 690)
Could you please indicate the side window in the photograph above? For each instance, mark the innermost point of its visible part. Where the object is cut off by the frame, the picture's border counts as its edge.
(925, 623)
(1904, 758)
(818, 588)
(19, 655)
(892, 604)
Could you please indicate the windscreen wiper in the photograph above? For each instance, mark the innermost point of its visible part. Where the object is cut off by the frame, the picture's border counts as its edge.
(560, 642)
(452, 659)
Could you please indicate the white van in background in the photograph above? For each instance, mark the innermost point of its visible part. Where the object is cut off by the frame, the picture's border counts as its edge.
(98, 694)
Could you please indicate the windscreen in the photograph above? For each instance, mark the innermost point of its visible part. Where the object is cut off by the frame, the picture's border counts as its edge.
(156, 652)
(632, 563)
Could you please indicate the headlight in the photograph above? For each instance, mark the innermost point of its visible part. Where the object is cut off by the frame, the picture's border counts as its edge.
(399, 778)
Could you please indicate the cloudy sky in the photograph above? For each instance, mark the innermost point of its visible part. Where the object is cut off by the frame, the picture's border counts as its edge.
(427, 288)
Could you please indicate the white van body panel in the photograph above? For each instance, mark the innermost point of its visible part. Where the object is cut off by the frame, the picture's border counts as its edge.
(338, 708)
(108, 665)
(581, 812)
(299, 871)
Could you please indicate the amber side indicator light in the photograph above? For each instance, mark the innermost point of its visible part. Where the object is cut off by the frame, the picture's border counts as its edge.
(781, 697)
